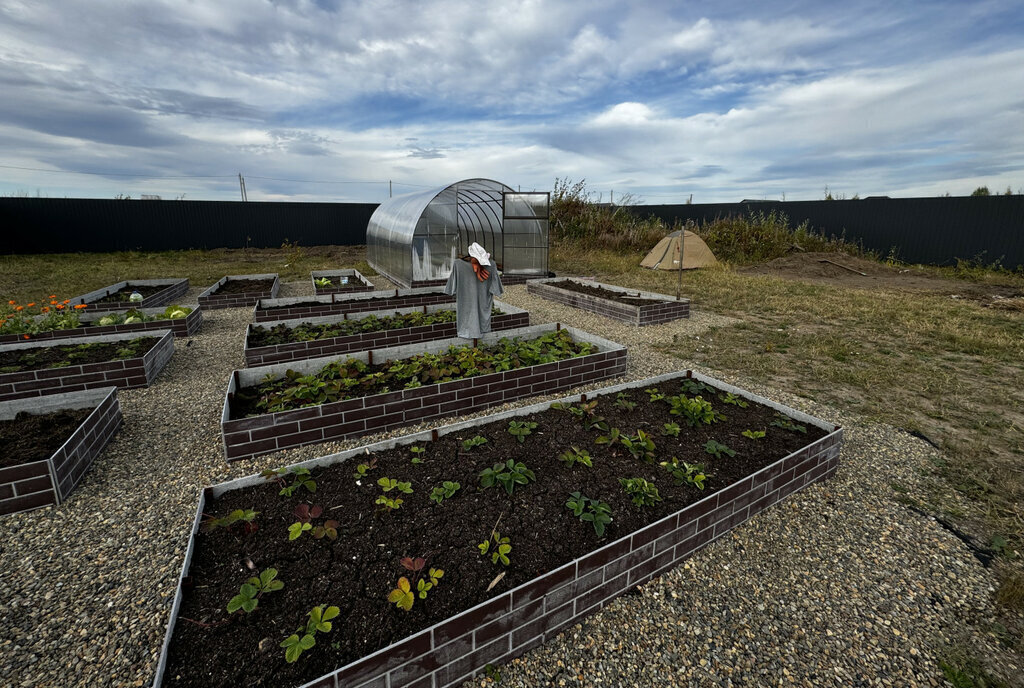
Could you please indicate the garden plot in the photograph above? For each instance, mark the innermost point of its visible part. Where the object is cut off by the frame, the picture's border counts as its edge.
(237, 291)
(32, 369)
(417, 561)
(293, 340)
(182, 321)
(287, 405)
(627, 305)
(50, 443)
(334, 304)
(154, 292)
(340, 282)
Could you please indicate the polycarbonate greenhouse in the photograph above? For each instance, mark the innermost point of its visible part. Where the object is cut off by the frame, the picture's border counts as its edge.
(413, 239)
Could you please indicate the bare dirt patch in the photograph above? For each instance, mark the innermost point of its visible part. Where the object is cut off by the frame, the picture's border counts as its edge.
(842, 270)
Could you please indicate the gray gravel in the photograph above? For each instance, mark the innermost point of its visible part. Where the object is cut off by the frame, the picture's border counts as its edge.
(840, 585)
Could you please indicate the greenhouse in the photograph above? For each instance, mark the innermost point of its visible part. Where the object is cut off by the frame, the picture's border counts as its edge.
(413, 239)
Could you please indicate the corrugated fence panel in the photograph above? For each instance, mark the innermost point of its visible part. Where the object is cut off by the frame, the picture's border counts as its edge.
(58, 225)
(921, 230)
(934, 231)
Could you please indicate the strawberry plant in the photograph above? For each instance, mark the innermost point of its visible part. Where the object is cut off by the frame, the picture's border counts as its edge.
(671, 429)
(640, 445)
(304, 513)
(389, 484)
(417, 454)
(508, 475)
(300, 478)
(249, 594)
(684, 473)
(575, 455)
(691, 386)
(730, 398)
(642, 493)
(623, 402)
(364, 468)
(787, 423)
(716, 449)
(319, 621)
(468, 445)
(444, 491)
(611, 438)
(696, 411)
(590, 510)
(403, 596)
(654, 394)
(244, 516)
(754, 434)
(520, 429)
(502, 546)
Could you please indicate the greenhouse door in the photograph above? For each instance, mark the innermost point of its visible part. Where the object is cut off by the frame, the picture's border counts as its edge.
(524, 233)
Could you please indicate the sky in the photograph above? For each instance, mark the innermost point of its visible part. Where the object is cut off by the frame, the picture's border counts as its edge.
(648, 102)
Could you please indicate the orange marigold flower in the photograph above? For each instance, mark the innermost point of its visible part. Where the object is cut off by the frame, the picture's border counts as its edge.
(60, 306)
(27, 337)
(53, 296)
(67, 301)
(18, 308)
(12, 302)
(30, 305)
(81, 306)
(46, 309)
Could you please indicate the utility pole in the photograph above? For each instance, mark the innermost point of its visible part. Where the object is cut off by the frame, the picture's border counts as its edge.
(611, 197)
(241, 186)
(389, 188)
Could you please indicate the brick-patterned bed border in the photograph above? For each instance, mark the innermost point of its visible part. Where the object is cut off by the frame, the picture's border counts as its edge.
(513, 622)
(175, 288)
(210, 299)
(511, 318)
(245, 438)
(334, 304)
(180, 327)
(33, 485)
(356, 282)
(130, 372)
(665, 310)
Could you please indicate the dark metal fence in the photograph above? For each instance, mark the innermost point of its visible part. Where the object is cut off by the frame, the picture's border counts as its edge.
(920, 230)
(934, 231)
(60, 225)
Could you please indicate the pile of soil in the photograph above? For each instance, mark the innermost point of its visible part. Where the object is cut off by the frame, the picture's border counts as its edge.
(843, 270)
(601, 292)
(244, 286)
(38, 358)
(27, 437)
(357, 571)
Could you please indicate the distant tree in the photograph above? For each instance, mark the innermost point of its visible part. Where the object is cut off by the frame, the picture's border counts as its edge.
(828, 194)
(981, 191)
(1009, 191)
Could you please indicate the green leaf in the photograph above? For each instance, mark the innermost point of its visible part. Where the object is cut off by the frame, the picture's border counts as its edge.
(306, 642)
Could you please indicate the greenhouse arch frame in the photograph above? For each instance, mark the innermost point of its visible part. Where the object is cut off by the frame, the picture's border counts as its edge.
(414, 239)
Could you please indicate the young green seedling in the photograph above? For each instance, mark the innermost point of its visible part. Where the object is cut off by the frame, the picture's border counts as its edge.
(444, 491)
(575, 455)
(716, 449)
(251, 591)
(596, 512)
(640, 491)
(508, 475)
(319, 621)
(520, 429)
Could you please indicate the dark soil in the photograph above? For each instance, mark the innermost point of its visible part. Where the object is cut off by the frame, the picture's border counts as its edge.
(601, 292)
(369, 302)
(353, 283)
(20, 360)
(244, 286)
(357, 571)
(146, 290)
(27, 437)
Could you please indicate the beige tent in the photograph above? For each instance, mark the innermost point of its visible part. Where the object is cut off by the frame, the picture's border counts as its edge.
(665, 256)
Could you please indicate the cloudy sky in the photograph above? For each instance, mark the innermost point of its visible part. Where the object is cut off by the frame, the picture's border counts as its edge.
(330, 99)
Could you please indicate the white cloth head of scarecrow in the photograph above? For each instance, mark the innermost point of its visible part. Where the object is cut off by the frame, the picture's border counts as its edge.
(477, 251)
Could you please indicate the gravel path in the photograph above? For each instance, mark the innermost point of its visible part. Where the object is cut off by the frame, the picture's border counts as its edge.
(840, 585)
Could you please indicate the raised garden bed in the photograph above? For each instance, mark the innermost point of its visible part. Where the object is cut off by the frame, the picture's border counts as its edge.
(238, 291)
(68, 376)
(299, 346)
(335, 304)
(340, 282)
(90, 325)
(49, 444)
(155, 292)
(269, 432)
(480, 611)
(628, 305)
